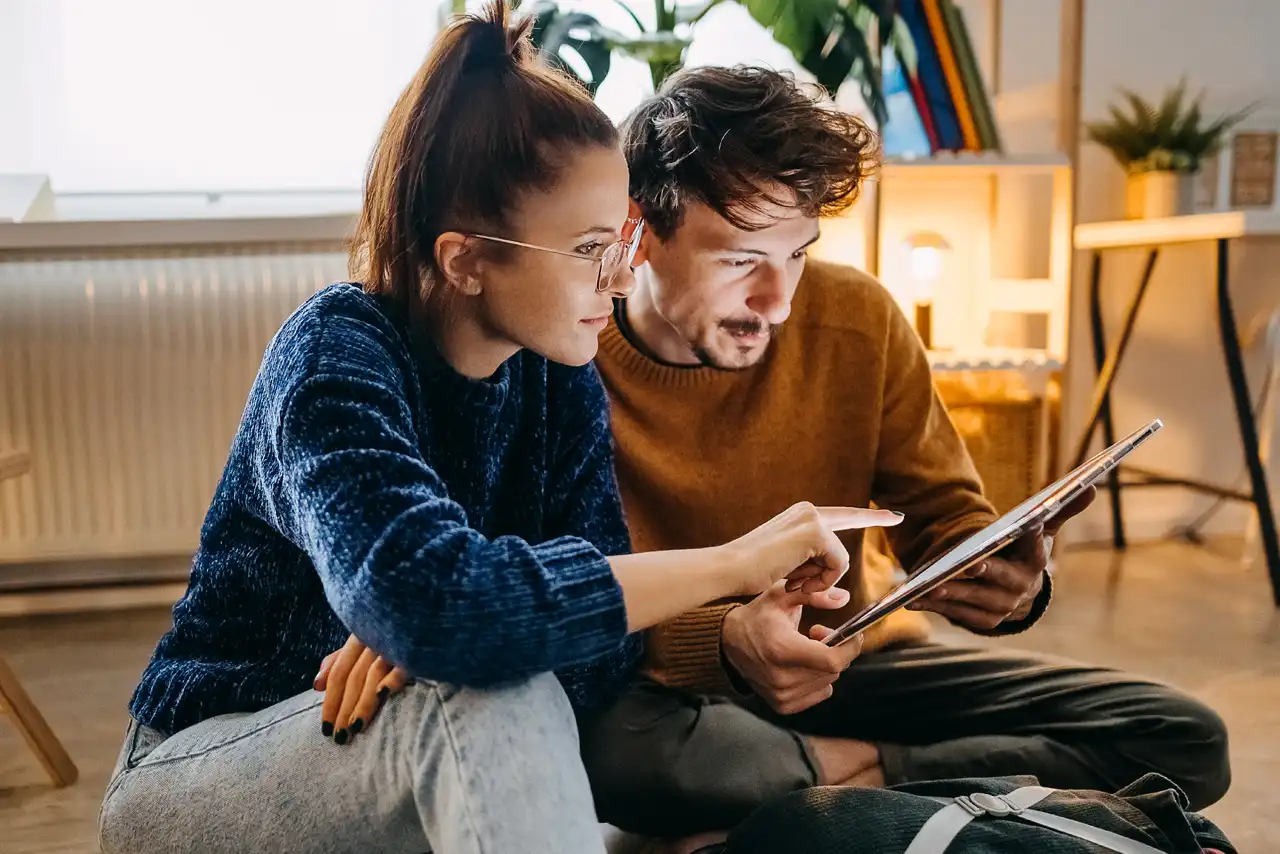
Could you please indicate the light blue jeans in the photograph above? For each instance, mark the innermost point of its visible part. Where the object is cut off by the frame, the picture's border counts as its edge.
(441, 769)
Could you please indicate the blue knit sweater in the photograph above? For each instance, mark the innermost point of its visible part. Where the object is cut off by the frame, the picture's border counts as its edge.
(459, 527)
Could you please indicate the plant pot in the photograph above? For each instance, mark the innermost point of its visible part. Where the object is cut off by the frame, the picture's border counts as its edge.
(1152, 195)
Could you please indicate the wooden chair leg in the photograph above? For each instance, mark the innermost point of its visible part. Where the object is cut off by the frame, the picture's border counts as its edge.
(32, 725)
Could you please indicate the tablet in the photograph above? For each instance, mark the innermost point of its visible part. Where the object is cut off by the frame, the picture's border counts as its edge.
(1036, 510)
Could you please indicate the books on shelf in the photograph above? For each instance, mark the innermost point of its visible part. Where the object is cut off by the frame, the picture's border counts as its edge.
(909, 132)
(933, 85)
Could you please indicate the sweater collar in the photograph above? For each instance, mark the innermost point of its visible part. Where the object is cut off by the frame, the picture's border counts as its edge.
(617, 344)
(437, 373)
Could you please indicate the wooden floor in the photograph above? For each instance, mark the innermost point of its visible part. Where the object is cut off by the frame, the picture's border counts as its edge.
(1185, 615)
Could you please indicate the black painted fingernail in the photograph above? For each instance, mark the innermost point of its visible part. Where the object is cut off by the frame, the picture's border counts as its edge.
(383, 693)
(356, 726)
(327, 728)
(341, 737)
(900, 515)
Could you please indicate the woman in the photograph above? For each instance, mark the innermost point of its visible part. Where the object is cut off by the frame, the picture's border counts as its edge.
(425, 462)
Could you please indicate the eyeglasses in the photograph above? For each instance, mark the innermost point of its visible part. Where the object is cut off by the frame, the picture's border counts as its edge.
(615, 257)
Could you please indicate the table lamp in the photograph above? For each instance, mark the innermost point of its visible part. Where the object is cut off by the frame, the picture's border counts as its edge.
(924, 252)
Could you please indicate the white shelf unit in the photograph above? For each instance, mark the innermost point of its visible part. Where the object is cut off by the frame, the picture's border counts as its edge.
(1008, 221)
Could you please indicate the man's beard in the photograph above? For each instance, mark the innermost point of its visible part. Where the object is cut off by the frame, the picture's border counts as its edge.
(755, 326)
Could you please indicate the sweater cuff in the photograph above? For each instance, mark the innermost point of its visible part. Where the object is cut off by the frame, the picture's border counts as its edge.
(1014, 627)
(584, 576)
(690, 656)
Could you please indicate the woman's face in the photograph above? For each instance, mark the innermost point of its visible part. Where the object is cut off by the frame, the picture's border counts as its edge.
(548, 302)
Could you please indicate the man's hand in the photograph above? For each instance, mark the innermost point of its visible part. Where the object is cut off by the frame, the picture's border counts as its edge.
(763, 643)
(1002, 589)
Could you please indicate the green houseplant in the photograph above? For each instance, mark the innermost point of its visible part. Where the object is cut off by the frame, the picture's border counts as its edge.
(835, 40)
(1161, 147)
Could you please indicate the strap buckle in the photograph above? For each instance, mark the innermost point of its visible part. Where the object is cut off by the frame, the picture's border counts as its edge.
(981, 803)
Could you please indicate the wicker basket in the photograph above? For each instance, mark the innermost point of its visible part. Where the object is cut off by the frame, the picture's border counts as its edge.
(1002, 422)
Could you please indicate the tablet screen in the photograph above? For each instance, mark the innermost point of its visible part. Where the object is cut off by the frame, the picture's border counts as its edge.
(1036, 509)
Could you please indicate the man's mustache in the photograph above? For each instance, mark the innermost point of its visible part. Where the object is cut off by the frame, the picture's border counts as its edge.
(753, 326)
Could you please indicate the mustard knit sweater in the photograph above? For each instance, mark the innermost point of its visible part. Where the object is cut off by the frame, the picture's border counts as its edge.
(841, 411)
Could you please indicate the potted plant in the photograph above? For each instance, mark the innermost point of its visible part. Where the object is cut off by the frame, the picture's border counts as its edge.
(834, 40)
(1161, 148)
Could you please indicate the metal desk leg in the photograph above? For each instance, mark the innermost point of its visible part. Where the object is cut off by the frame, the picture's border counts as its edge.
(1244, 415)
(1107, 366)
(1108, 424)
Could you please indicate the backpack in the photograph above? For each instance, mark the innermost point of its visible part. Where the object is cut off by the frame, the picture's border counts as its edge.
(992, 815)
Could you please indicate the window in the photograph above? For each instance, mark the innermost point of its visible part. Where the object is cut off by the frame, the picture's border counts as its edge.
(163, 95)
(144, 96)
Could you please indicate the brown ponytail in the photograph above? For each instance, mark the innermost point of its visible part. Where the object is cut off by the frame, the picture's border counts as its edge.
(482, 121)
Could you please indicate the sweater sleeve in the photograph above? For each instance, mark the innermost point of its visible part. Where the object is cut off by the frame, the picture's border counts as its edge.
(686, 653)
(399, 564)
(922, 466)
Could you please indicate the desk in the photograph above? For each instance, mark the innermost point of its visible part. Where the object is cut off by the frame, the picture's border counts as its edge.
(1220, 229)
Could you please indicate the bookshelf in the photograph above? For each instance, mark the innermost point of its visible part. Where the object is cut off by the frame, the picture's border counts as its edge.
(1004, 281)
(1001, 280)
(994, 227)
(971, 163)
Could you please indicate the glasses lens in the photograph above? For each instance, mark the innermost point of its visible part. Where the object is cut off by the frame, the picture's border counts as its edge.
(611, 263)
(633, 242)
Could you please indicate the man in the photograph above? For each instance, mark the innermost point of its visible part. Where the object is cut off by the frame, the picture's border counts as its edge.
(743, 379)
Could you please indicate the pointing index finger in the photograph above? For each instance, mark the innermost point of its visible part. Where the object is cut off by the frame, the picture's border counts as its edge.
(849, 518)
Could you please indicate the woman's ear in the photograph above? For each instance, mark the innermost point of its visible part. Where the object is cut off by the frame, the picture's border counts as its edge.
(460, 262)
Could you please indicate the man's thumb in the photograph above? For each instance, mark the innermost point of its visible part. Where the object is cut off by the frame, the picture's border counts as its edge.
(829, 599)
(818, 633)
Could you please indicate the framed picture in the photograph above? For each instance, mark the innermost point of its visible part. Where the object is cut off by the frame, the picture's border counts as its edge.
(1253, 169)
(1245, 174)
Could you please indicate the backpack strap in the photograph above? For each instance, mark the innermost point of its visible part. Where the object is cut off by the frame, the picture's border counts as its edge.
(941, 829)
(944, 825)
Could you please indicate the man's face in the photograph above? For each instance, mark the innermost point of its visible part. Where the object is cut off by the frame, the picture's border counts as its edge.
(724, 290)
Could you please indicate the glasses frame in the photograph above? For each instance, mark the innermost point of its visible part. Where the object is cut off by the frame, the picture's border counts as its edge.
(630, 243)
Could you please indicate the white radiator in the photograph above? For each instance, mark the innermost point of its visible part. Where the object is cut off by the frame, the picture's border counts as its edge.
(125, 376)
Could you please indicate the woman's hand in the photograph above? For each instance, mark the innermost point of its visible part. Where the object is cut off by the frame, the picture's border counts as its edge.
(356, 682)
(800, 545)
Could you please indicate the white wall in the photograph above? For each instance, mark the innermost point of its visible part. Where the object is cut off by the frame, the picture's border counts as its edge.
(1174, 368)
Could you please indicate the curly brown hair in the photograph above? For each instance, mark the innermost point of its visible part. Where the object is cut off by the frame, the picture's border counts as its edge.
(732, 138)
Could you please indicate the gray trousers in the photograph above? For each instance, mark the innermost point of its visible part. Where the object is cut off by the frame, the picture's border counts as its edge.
(453, 771)
(667, 763)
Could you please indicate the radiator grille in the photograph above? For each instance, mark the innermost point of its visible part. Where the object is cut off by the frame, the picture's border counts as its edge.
(125, 377)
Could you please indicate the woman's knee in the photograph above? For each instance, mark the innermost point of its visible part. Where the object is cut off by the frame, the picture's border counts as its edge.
(529, 722)
(539, 700)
